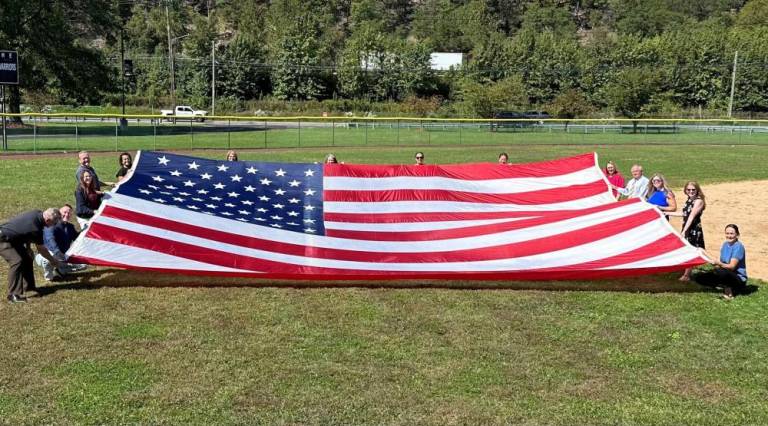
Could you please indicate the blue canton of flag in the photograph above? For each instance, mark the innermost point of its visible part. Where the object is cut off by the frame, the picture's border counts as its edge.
(287, 196)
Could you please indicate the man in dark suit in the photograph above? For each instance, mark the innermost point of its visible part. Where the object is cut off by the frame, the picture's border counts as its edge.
(15, 237)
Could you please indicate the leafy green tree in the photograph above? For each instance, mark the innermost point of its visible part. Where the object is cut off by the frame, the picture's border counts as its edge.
(644, 17)
(484, 100)
(751, 92)
(492, 58)
(549, 63)
(556, 20)
(297, 72)
(754, 13)
(439, 24)
(632, 90)
(571, 103)
(505, 15)
(694, 63)
(52, 40)
(416, 75)
(241, 73)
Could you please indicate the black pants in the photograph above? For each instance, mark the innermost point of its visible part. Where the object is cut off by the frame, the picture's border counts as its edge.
(721, 277)
(21, 276)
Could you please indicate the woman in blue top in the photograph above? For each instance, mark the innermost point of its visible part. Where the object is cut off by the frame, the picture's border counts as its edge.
(660, 195)
(730, 269)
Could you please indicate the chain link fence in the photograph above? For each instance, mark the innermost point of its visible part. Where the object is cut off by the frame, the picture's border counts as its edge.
(71, 132)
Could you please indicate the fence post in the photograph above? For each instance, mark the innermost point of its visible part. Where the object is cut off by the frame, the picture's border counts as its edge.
(265, 133)
(191, 136)
(460, 126)
(299, 121)
(229, 133)
(398, 132)
(333, 132)
(34, 134)
(365, 140)
(116, 130)
(154, 135)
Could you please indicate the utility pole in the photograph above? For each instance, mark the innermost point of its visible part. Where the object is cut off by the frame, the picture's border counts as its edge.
(213, 77)
(2, 96)
(170, 57)
(123, 121)
(733, 84)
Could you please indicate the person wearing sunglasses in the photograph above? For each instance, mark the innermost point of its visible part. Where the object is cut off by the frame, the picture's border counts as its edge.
(691, 214)
(660, 195)
(419, 158)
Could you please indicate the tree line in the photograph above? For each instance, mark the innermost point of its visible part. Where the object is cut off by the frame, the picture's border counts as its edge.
(570, 57)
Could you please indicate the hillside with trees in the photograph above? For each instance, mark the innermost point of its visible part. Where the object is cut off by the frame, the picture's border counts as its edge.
(570, 57)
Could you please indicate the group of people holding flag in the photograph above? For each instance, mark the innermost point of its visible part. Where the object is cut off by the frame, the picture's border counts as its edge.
(52, 233)
(730, 267)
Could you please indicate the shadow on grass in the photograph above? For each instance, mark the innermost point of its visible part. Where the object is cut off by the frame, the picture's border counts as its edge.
(116, 278)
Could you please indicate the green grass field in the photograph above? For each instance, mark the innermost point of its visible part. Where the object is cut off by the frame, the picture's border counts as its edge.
(106, 136)
(117, 347)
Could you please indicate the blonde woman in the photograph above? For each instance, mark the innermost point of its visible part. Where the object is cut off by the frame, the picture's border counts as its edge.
(660, 195)
(691, 214)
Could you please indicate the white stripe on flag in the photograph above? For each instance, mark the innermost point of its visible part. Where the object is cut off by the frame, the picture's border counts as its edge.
(460, 207)
(416, 226)
(674, 257)
(129, 255)
(487, 186)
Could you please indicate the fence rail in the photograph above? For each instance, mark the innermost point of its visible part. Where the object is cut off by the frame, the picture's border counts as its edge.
(67, 132)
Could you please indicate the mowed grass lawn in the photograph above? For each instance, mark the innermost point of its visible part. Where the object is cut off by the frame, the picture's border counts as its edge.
(116, 347)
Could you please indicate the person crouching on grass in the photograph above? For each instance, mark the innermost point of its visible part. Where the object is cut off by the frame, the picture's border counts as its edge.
(730, 271)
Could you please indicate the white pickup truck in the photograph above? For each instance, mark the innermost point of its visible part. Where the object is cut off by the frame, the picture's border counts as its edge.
(183, 112)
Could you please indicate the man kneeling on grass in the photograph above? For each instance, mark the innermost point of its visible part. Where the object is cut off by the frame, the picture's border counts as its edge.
(57, 240)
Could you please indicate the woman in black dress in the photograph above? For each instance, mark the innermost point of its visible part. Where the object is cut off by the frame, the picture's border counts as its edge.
(692, 211)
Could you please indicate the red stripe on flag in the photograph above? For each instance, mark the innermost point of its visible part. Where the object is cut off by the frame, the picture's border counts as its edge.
(469, 172)
(561, 194)
(454, 216)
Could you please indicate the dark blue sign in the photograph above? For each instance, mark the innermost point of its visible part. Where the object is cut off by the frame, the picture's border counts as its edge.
(9, 67)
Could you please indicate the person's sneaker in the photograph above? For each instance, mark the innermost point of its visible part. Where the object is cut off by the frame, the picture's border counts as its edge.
(17, 298)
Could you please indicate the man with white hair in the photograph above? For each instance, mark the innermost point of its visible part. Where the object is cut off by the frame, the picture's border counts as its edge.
(636, 187)
(15, 237)
(84, 160)
(57, 240)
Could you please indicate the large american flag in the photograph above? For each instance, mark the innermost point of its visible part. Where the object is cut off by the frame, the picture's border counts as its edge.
(548, 220)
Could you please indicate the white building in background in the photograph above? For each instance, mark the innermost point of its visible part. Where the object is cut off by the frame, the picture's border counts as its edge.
(440, 61)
